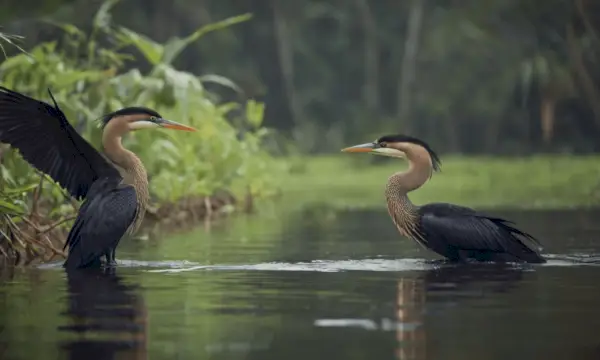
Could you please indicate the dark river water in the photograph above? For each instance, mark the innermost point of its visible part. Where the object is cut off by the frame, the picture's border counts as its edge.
(313, 283)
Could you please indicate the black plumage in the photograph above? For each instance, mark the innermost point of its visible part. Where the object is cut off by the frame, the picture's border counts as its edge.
(91, 235)
(49, 143)
(461, 233)
(399, 138)
(132, 110)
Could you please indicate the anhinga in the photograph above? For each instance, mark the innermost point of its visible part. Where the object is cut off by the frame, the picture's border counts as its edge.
(458, 233)
(114, 185)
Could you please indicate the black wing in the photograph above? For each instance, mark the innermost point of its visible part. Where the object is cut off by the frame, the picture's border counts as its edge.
(47, 141)
(462, 228)
(102, 220)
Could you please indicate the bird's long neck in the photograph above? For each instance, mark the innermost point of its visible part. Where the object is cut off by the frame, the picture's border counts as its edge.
(133, 171)
(401, 183)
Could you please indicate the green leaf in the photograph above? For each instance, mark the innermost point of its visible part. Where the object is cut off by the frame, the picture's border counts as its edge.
(10, 208)
(175, 46)
(102, 17)
(255, 112)
(68, 28)
(152, 51)
(221, 80)
(20, 189)
(15, 62)
(70, 78)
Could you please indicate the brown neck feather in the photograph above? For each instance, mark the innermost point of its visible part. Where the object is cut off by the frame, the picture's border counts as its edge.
(132, 169)
(419, 168)
(401, 209)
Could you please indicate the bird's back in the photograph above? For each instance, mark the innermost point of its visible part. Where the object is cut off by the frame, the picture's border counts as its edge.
(460, 233)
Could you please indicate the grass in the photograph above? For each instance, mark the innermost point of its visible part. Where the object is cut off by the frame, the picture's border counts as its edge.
(349, 180)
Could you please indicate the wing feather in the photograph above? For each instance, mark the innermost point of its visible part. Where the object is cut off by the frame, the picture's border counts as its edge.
(46, 140)
(466, 229)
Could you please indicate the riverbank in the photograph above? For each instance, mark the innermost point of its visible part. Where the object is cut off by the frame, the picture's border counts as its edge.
(535, 182)
(37, 238)
(551, 182)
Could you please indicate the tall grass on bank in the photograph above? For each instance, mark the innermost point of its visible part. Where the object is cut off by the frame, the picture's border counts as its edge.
(484, 182)
(194, 174)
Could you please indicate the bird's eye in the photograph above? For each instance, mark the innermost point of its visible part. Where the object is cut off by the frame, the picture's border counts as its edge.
(153, 118)
(382, 145)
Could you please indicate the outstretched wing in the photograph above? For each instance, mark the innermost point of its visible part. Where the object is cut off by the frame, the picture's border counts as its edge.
(102, 220)
(464, 228)
(47, 141)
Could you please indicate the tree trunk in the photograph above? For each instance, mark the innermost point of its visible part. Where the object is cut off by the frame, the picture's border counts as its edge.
(407, 73)
(578, 65)
(371, 46)
(547, 116)
(286, 59)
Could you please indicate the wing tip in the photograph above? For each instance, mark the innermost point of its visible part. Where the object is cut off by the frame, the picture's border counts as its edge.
(52, 97)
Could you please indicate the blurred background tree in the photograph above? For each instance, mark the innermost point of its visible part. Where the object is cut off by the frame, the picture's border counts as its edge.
(500, 76)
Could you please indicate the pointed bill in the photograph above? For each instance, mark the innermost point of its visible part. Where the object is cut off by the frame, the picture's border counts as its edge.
(168, 124)
(363, 148)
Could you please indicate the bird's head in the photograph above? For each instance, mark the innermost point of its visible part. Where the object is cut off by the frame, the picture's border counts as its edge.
(398, 146)
(138, 118)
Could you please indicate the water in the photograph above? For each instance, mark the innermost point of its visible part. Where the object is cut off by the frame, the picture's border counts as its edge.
(316, 283)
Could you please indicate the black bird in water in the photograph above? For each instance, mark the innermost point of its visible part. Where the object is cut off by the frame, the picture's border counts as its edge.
(456, 232)
(114, 185)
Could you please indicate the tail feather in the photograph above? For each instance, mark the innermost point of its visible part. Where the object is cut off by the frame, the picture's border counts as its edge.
(518, 247)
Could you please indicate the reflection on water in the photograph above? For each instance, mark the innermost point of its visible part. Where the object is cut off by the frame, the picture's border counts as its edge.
(451, 284)
(106, 316)
(322, 285)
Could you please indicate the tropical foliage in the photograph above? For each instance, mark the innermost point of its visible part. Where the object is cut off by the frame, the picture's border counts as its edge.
(88, 79)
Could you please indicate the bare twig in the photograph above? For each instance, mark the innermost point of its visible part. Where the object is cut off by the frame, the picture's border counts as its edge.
(31, 224)
(58, 223)
(54, 250)
(39, 242)
(15, 231)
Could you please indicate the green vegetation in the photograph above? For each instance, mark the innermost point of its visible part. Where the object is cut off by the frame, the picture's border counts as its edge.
(349, 180)
(523, 75)
(89, 79)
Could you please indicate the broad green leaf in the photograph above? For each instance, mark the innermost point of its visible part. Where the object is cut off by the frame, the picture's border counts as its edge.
(152, 51)
(10, 208)
(68, 28)
(14, 62)
(20, 189)
(221, 80)
(175, 46)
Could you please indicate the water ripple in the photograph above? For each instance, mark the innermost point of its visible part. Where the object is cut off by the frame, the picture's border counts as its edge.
(391, 265)
(379, 264)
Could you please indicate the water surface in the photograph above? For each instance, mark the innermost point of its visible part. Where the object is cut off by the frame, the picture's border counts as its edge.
(315, 283)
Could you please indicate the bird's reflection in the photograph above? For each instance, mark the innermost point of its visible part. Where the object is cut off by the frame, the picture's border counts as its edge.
(444, 285)
(106, 318)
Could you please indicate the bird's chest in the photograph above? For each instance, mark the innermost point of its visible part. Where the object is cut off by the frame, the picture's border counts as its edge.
(404, 216)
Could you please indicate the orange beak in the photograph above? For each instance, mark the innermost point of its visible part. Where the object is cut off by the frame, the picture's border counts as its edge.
(168, 124)
(362, 148)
